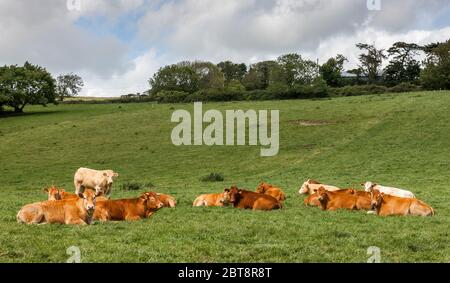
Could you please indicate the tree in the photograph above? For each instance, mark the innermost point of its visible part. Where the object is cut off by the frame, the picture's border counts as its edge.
(179, 77)
(209, 75)
(331, 71)
(371, 61)
(296, 70)
(436, 73)
(68, 85)
(30, 84)
(402, 67)
(261, 75)
(232, 71)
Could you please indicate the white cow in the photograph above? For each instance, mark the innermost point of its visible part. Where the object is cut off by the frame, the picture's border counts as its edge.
(311, 186)
(369, 186)
(98, 180)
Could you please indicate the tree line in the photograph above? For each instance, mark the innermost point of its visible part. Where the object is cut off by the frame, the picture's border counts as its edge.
(294, 76)
(290, 76)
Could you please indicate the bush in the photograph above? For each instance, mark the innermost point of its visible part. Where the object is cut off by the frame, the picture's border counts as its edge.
(165, 96)
(213, 177)
(135, 186)
(359, 90)
(405, 87)
(216, 95)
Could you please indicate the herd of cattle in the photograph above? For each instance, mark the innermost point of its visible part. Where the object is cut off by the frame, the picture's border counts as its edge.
(91, 200)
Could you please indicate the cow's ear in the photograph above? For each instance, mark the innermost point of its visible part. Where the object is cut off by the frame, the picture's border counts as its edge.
(105, 174)
(116, 174)
(45, 190)
(226, 190)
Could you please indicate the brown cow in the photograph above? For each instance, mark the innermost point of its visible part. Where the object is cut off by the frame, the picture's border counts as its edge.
(385, 204)
(251, 200)
(342, 199)
(271, 190)
(68, 211)
(221, 199)
(128, 209)
(167, 200)
(312, 200)
(55, 193)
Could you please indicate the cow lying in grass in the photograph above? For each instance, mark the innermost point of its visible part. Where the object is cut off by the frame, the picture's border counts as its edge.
(251, 200)
(68, 211)
(271, 190)
(55, 193)
(369, 186)
(385, 204)
(128, 209)
(167, 200)
(343, 199)
(221, 199)
(311, 186)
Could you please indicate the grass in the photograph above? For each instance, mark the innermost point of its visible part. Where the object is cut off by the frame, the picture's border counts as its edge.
(393, 139)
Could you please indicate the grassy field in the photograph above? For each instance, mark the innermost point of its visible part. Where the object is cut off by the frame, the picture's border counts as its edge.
(395, 139)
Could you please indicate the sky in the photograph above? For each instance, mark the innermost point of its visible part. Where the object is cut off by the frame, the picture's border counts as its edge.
(117, 45)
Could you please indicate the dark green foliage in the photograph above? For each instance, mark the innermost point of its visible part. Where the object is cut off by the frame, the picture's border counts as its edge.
(30, 84)
(135, 186)
(213, 177)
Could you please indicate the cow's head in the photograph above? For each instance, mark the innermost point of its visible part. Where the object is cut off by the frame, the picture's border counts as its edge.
(322, 194)
(151, 201)
(376, 198)
(89, 198)
(263, 187)
(235, 194)
(53, 193)
(368, 186)
(109, 175)
(225, 199)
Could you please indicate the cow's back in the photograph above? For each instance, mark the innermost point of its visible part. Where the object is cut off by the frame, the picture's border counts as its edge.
(252, 200)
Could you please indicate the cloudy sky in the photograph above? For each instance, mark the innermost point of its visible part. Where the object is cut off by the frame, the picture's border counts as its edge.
(116, 45)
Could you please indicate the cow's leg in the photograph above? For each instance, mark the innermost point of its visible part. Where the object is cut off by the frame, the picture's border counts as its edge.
(78, 187)
(98, 189)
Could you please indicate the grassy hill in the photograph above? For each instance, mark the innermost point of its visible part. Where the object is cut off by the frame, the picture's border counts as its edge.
(401, 140)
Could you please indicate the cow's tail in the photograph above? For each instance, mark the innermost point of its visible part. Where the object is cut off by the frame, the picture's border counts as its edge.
(432, 212)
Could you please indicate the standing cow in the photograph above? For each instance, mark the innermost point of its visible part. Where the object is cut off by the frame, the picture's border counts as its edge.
(99, 180)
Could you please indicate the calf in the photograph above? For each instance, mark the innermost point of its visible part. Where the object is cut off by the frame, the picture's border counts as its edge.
(311, 186)
(68, 211)
(167, 200)
(385, 204)
(312, 200)
(128, 209)
(342, 199)
(53, 193)
(221, 199)
(369, 186)
(251, 200)
(100, 181)
(270, 190)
